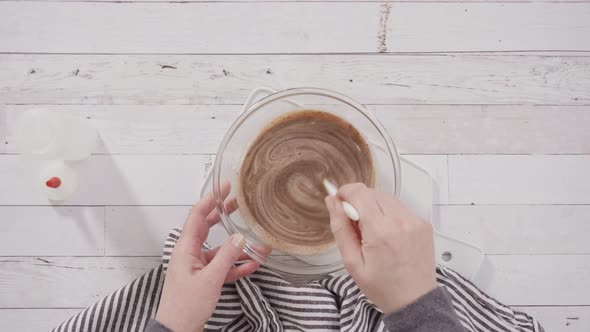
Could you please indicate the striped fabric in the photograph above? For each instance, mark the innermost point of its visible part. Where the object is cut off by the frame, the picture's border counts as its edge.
(266, 302)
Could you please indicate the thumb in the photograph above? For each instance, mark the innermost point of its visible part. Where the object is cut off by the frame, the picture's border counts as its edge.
(345, 235)
(227, 255)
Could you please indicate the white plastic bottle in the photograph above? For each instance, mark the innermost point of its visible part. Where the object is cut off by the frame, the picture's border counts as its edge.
(58, 138)
(44, 134)
(58, 180)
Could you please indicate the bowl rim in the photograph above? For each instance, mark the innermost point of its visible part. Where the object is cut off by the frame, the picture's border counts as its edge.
(228, 224)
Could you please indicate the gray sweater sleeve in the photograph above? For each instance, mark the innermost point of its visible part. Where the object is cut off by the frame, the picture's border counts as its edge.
(432, 312)
(155, 326)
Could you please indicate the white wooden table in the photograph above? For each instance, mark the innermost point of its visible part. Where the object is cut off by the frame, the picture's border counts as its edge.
(492, 98)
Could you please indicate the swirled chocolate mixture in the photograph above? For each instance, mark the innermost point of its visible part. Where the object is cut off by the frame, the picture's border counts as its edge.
(280, 190)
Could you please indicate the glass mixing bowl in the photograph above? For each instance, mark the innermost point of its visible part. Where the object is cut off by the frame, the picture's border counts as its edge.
(246, 128)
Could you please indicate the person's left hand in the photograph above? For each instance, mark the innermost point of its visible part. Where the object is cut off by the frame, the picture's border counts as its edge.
(195, 277)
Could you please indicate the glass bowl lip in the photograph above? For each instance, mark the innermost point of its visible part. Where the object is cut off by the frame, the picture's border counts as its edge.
(228, 224)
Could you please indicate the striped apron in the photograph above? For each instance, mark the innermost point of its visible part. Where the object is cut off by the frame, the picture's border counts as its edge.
(264, 301)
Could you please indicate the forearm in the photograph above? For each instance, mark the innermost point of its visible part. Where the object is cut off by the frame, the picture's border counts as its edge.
(432, 312)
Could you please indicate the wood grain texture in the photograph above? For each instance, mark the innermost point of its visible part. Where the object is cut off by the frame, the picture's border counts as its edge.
(519, 179)
(175, 179)
(564, 318)
(506, 129)
(497, 229)
(3, 129)
(66, 281)
(228, 79)
(112, 180)
(34, 320)
(527, 229)
(139, 179)
(415, 129)
(142, 129)
(197, 28)
(429, 1)
(77, 282)
(52, 231)
(496, 27)
(475, 129)
(292, 27)
(149, 225)
(536, 280)
(519, 229)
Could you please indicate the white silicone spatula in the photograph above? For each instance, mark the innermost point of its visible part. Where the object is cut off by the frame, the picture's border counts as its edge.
(349, 210)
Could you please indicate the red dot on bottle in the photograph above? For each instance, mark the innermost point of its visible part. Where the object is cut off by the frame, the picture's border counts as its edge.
(54, 182)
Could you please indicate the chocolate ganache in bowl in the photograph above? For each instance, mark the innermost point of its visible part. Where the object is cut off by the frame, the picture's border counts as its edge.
(280, 191)
(276, 155)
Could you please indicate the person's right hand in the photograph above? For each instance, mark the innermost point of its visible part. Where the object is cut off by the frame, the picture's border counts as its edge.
(390, 255)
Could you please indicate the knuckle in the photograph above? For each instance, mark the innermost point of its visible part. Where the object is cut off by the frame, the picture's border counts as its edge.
(231, 204)
(195, 209)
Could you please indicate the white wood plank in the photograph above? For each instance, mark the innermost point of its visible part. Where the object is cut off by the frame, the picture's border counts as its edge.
(75, 282)
(536, 279)
(66, 282)
(3, 130)
(424, 27)
(519, 229)
(562, 318)
(499, 230)
(149, 226)
(112, 180)
(34, 320)
(371, 79)
(188, 27)
(145, 129)
(517, 179)
(51, 231)
(141, 179)
(477, 129)
(440, 1)
(291, 27)
(137, 179)
(141, 230)
(416, 129)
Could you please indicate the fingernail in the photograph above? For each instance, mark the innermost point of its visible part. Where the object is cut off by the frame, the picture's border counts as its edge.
(238, 240)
